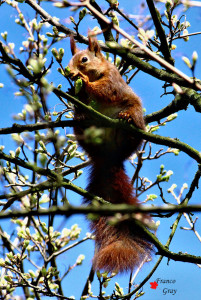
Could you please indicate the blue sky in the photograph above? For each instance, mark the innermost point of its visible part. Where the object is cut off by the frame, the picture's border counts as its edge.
(186, 127)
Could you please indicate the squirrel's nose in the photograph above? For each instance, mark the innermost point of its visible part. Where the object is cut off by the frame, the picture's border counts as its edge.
(73, 70)
(72, 75)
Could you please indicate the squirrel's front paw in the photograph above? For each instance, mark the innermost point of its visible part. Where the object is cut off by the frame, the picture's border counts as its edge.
(126, 116)
(83, 77)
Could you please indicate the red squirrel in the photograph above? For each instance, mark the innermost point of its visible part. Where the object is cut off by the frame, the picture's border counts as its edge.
(121, 247)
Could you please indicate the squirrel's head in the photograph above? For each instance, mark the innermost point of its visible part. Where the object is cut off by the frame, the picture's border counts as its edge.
(89, 62)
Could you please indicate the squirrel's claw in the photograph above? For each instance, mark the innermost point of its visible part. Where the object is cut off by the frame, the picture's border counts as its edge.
(125, 116)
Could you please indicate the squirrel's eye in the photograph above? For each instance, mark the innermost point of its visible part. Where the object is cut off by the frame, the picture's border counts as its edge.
(84, 59)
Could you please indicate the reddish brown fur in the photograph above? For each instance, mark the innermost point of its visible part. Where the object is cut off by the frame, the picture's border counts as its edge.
(118, 251)
(121, 247)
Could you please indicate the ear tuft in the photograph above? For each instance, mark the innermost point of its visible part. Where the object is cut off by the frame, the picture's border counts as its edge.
(73, 47)
(93, 43)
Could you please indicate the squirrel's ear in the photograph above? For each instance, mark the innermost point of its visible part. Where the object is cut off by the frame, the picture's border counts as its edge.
(93, 44)
(73, 47)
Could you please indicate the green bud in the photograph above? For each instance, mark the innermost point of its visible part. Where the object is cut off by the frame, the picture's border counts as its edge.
(17, 152)
(54, 52)
(32, 274)
(43, 271)
(67, 71)
(78, 85)
(115, 19)
(80, 259)
(186, 38)
(82, 13)
(79, 173)
(118, 61)
(194, 57)
(2, 262)
(43, 159)
(177, 88)
(105, 284)
(61, 53)
(187, 61)
(42, 145)
(55, 30)
(45, 51)
(26, 243)
(37, 64)
(118, 289)
(8, 278)
(21, 17)
(155, 128)
(185, 186)
(104, 275)
(98, 274)
(10, 255)
(58, 4)
(174, 150)
(162, 168)
(113, 3)
(72, 20)
(166, 177)
(4, 35)
(27, 230)
(172, 117)
(60, 70)
(151, 197)
(168, 5)
(17, 138)
(49, 34)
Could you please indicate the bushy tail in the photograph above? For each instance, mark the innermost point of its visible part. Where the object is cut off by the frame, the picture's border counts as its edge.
(121, 247)
(124, 246)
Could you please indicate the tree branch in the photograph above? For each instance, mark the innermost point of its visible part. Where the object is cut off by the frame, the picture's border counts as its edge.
(17, 128)
(105, 29)
(102, 210)
(46, 185)
(164, 48)
(180, 102)
(160, 74)
(111, 209)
